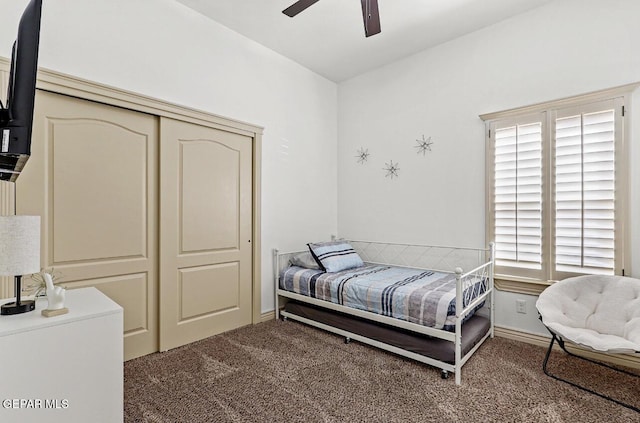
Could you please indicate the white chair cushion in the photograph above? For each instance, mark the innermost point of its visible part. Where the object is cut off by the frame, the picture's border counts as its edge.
(598, 312)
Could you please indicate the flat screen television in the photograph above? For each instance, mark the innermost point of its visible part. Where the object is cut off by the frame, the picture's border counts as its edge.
(16, 117)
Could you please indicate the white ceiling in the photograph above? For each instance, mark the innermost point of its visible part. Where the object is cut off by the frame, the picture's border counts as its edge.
(328, 37)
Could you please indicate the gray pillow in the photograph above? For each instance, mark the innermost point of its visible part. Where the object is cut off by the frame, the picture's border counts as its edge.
(305, 260)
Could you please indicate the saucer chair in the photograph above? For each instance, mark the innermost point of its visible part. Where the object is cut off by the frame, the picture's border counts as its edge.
(600, 313)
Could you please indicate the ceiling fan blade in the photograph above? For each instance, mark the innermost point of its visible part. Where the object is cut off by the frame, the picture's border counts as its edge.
(371, 17)
(298, 7)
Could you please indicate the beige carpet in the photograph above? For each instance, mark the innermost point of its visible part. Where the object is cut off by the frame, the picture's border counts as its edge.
(288, 372)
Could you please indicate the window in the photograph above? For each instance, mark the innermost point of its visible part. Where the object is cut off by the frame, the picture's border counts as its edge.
(517, 196)
(556, 178)
(585, 187)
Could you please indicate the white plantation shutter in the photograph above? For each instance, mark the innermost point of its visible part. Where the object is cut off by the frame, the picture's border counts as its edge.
(557, 188)
(518, 195)
(585, 172)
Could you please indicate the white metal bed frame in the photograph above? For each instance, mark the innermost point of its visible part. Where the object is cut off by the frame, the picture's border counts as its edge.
(441, 259)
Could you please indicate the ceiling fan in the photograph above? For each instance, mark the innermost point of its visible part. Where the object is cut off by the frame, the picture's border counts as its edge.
(370, 13)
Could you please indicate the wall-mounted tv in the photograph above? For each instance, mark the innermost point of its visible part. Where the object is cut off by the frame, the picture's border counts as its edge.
(16, 117)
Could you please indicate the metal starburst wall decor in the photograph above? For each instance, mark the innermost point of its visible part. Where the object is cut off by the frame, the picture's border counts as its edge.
(392, 169)
(363, 155)
(423, 145)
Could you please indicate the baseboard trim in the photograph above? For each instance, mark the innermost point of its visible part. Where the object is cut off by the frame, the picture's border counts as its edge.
(269, 315)
(626, 360)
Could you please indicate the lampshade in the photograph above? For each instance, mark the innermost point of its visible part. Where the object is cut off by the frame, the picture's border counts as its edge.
(19, 245)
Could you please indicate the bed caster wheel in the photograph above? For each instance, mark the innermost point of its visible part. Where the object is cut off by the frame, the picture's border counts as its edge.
(284, 318)
(347, 340)
(444, 374)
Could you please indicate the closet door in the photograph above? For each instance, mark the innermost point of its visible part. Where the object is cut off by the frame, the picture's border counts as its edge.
(93, 177)
(205, 227)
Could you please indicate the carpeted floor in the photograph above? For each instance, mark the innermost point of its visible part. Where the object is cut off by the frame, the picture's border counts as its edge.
(288, 372)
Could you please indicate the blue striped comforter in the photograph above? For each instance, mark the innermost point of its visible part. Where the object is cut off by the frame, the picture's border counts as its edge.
(419, 296)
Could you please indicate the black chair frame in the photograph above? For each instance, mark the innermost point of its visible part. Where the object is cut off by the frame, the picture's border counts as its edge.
(561, 342)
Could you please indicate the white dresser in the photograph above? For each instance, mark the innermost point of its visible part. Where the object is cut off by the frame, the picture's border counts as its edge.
(66, 368)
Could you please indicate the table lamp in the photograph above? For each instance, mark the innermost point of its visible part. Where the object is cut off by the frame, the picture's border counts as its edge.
(19, 255)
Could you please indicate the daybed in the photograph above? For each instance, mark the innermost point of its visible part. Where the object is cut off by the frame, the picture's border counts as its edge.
(384, 301)
(600, 313)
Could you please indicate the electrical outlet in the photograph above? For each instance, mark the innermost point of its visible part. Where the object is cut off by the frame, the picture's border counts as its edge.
(521, 306)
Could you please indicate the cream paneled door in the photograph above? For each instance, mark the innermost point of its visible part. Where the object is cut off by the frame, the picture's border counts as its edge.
(205, 225)
(93, 177)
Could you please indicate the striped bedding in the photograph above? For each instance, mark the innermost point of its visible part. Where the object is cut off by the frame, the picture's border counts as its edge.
(419, 296)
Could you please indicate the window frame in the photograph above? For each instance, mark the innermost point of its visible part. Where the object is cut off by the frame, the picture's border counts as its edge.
(514, 279)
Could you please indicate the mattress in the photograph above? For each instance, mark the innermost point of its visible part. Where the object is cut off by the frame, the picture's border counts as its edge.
(418, 296)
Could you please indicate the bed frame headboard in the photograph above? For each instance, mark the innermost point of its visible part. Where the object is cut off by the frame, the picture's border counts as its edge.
(282, 260)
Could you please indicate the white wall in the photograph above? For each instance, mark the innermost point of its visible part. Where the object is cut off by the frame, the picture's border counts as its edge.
(162, 49)
(564, 48)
